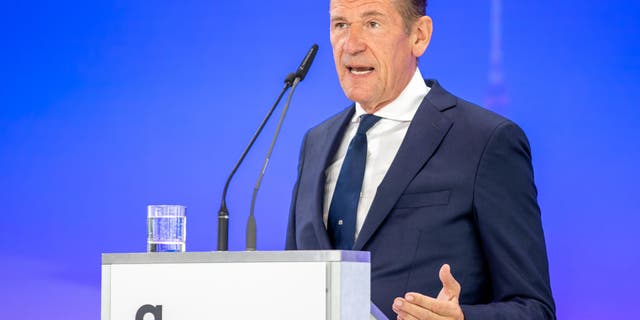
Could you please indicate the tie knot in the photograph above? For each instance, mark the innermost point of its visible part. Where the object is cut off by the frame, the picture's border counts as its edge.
(366, 122)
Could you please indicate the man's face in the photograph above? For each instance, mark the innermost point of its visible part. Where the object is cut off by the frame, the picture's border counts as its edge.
(375, 57)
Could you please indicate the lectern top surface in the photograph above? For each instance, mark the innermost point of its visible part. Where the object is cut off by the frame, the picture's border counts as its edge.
(236, 256)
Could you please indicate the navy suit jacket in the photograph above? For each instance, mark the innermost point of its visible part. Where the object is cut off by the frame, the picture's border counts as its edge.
(459, 191)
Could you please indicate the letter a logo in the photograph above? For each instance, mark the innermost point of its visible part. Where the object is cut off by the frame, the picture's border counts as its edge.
(147, 308)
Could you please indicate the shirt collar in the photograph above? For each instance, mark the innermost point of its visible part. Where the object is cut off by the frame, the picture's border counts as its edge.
(405, 106)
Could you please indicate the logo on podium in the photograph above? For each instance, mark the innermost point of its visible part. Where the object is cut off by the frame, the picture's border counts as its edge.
(156, 311)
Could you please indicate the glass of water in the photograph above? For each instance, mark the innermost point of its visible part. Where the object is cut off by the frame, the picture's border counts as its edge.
(167, 226)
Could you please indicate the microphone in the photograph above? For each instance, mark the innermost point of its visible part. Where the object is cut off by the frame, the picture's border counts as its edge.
(306, 62)
(299, 76)
(223, 212)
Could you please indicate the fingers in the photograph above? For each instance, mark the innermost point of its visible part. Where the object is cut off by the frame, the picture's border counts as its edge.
(415, 305)
(405, 316)
(450, 287)
(409, 311)
(438, 307)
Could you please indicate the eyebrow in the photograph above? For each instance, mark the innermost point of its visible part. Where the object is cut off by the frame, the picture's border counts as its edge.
(338, 18)
(371, 13)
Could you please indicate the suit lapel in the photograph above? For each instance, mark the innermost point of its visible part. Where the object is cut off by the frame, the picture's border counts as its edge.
(427, 130)
(322, 152)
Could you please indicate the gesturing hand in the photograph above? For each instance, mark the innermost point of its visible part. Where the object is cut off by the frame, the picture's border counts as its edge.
(415, 306)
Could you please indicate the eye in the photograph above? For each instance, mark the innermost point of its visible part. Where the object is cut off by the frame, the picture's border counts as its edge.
(340, 25)
(374, 24)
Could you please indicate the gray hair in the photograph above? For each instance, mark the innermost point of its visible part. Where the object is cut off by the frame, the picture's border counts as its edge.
(411, 10)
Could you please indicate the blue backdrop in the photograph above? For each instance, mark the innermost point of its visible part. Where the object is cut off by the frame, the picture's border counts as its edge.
(108, 106)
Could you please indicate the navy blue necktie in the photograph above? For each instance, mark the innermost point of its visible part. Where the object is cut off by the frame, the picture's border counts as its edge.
(341, 224)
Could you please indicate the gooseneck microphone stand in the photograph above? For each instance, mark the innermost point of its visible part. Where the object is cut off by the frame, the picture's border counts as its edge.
(251, 222)
(223, 212)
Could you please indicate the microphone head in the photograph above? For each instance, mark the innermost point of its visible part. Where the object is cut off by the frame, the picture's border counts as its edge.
(289, 79)
(306, 62)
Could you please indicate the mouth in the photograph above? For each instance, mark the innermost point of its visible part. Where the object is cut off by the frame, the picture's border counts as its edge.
(360, 70)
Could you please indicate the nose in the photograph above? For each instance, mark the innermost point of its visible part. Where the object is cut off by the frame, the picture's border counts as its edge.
(354, 42)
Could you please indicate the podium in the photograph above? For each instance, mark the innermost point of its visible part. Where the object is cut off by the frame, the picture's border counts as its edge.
(322, 285)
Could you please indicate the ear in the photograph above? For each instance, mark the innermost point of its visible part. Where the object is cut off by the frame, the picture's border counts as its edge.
(421, 35)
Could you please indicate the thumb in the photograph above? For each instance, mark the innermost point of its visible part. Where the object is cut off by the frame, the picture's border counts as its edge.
(450, 287)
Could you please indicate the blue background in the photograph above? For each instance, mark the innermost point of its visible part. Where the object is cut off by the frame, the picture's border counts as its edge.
(108, 106)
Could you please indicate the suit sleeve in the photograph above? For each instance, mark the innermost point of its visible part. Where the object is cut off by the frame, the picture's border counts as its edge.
(290, 243)
(510, 229)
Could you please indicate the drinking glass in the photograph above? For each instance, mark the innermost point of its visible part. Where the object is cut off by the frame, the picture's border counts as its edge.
(167, 228)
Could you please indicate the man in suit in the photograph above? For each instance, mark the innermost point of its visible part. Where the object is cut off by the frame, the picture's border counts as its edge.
(433, 186)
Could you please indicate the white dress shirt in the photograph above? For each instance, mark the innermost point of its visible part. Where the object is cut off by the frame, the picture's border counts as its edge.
(383, 142)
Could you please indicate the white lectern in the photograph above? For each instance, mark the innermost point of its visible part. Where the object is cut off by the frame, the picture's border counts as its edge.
(322, 285)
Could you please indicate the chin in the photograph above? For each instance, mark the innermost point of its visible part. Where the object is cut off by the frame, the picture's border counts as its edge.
(358, 94)
(360, 98)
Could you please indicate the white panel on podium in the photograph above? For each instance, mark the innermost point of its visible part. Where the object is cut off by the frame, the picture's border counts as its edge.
(322, 285)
